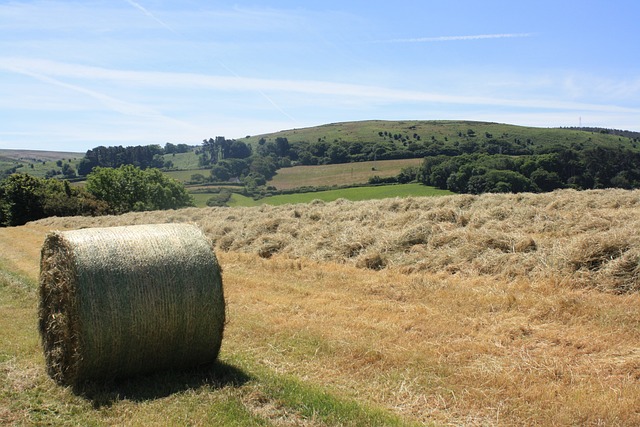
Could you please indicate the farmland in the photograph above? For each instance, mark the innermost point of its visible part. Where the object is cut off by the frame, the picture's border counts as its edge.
(456, 310)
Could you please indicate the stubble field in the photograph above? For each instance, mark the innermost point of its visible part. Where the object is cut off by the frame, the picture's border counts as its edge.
(456, 310)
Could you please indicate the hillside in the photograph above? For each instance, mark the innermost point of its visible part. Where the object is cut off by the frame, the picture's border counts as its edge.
(449, 132)
(35, 162)
(462, 157)
(37, 155)
(500, 310)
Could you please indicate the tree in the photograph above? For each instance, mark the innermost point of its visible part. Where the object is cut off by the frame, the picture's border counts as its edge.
(282, 146)
(337, 154)
(220, 172)
(68, 171)
(22, 199)
(546, 181)
(129, 188)
(197, 178)
(239, 150)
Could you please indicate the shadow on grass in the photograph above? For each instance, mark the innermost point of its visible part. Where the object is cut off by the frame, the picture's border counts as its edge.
(162, 384)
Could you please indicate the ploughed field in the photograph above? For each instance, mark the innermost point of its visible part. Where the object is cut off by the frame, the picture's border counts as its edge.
(457, 310)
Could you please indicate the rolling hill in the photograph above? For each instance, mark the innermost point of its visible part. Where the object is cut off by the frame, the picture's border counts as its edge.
(450, 131)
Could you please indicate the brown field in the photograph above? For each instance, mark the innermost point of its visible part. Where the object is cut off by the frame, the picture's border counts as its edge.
(327, 175)
(458, 310)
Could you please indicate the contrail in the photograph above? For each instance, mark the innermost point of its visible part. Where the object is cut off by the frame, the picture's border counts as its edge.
(264, 95)
(155, 18)
(151, 15)
(458, 38)
(111, 103)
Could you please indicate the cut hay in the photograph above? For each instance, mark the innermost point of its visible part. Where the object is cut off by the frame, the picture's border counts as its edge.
(587, 238)
(122, 301)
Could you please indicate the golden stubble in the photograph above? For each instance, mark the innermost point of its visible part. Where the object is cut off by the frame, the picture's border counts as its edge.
(434, 347)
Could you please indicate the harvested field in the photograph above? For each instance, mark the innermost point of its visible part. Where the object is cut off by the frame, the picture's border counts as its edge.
(462, 310)
(590, 238)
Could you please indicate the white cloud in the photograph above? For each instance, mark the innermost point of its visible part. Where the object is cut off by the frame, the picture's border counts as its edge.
(458, 38)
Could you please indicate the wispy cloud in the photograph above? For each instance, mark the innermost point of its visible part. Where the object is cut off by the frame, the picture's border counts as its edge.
(113, 104)
(151, 15)
(366, 93)
(458, 38)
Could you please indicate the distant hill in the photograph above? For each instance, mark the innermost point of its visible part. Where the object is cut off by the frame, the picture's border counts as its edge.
(455, 133)
(617, 132)
(31, 156)
(404, 132)
(38, 163)
(379, 140)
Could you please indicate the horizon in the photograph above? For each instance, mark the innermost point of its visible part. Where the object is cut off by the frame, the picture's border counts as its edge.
(583, 128)
(77, 75)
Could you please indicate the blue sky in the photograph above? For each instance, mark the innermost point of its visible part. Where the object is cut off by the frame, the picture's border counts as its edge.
(78, 74)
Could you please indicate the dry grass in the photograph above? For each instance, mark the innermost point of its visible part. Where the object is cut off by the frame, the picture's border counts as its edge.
(486, 310)
(589, 238)
(443, 348)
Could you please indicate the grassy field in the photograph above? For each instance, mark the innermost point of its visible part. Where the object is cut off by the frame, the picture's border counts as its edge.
(460, 310)
(184, 161)
(354, 194)
(185, 175)
(340, 174)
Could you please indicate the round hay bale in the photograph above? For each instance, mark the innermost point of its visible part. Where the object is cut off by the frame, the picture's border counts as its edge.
(121, 301)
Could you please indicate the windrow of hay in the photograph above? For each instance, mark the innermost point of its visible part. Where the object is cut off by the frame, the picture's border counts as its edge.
(122, 301)
(590, 237)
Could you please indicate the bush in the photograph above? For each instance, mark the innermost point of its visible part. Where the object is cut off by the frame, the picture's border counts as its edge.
(220, 199)
(26, 198)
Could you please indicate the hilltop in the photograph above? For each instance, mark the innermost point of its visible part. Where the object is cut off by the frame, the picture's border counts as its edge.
(448, 132)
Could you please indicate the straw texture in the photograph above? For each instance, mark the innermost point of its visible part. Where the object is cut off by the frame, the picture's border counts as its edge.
(121, 301)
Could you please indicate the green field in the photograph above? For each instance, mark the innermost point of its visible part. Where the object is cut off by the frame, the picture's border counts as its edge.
(354, 194)
(184, 161)
(37, 163)
(185, 175)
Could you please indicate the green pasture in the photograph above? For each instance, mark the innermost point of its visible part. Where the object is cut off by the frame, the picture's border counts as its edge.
(354, 194)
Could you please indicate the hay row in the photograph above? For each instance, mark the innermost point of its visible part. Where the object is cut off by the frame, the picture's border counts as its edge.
(590, 237)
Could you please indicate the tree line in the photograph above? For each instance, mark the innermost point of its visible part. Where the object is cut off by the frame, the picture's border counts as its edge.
(25, 198)
(597, 167)
(142, 156)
